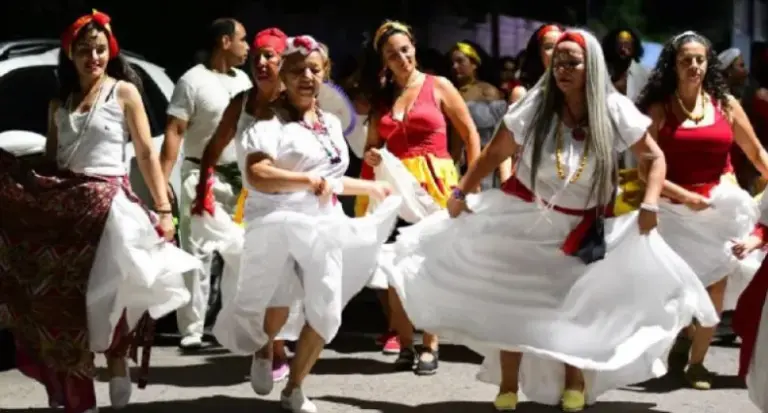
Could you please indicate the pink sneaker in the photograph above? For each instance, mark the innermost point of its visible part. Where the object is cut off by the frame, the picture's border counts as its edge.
(391, 345)
(280, 370)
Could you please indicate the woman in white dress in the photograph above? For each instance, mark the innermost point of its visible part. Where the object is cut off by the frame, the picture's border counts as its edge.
(303, 259)
(750, 319)
(505, 279)
(696, 123)
(87, 255)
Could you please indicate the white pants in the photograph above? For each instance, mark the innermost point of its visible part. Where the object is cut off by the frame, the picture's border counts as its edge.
(191, 318)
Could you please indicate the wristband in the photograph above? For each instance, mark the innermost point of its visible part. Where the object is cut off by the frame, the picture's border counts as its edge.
(458, 194)
(649, 207)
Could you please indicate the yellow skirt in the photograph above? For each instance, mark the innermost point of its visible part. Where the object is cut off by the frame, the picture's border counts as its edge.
(632, 189)
(240, 207)
(427, 170)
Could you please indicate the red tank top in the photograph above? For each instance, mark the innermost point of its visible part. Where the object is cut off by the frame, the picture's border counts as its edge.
(696, 156)
(422, 131)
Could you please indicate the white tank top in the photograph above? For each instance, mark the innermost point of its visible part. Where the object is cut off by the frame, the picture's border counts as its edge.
(100, 148)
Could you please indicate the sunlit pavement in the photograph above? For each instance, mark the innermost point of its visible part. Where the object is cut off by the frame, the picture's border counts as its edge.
(353, 377)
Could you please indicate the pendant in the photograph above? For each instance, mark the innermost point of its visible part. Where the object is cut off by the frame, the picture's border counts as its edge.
(579, 133)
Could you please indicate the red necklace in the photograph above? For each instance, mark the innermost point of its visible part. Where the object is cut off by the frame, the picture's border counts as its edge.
(579, 130)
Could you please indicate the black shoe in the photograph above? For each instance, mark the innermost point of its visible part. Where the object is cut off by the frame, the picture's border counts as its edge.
(406, 359)
(426, 364)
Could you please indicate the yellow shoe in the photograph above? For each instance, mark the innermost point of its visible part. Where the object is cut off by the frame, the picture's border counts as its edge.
(573, 401)
(699, 377)
(505, 402)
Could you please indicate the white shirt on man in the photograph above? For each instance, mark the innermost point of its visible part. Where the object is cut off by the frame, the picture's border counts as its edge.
(200, 97)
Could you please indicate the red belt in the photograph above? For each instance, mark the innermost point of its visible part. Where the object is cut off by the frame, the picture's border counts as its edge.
(573, 241)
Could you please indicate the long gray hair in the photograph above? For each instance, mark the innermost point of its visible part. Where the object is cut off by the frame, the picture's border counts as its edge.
(602, 133)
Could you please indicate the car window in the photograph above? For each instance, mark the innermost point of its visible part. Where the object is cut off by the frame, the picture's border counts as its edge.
(155, 101)
(24, 97)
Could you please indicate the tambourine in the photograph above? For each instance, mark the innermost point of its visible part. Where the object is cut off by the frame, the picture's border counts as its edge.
(331, 98)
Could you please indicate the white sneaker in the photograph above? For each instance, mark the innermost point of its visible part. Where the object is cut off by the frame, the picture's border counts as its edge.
(120, 389)
(191, 342)
(261, 376)
(296, 402)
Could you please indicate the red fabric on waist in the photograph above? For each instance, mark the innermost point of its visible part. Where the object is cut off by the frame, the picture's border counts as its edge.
(573, 241)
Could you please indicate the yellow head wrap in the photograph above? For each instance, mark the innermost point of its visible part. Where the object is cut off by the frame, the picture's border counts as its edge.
(469, 51)
(389, 24)
(625, 36)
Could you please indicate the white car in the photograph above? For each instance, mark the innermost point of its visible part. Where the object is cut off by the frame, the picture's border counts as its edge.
(28, 82)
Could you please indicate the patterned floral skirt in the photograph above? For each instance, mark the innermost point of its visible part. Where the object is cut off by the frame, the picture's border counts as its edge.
(80, 259)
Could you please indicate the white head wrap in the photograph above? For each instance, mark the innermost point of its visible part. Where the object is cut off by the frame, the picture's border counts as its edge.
(727, 57)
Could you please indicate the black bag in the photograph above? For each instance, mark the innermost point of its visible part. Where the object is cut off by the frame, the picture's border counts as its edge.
(593, 246)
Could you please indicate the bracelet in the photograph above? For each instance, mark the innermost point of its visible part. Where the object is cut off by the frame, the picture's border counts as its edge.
(458, 194)
(164, 211)
(649, 207)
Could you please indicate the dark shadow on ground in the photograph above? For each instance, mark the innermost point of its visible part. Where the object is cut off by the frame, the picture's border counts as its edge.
(357, 343)
(479, 407)
(203, 405)
(675, 380)
(216, 371)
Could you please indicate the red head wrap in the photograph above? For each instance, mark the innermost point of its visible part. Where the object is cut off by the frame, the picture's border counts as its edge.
(576, 37)
(548, 29)
(272, 37)
(102, 19)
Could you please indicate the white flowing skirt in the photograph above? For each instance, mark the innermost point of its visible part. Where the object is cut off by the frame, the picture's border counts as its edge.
(496, 279)
(311, 264)
(757, 377)
(704, 238)
(135, 271)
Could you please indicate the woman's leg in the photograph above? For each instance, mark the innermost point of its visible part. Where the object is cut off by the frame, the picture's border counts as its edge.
(698, 376)
(509, 386)
(573, 399)
(262, 379)
(389, 341)
(120, 385)
(308, 350)
(427, 361)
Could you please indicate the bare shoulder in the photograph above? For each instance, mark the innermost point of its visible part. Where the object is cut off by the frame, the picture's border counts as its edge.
(443, 84)
(127, 92)
(762, 93)
(657, 112)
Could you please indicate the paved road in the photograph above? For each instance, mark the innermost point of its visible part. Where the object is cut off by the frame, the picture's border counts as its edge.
(353, 377)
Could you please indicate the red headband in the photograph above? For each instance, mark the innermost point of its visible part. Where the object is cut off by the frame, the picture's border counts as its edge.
(548, 29)
(102, 19)
(570, 36)
(272, 37)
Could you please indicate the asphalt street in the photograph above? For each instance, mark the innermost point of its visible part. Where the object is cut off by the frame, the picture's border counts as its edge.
(353, 376)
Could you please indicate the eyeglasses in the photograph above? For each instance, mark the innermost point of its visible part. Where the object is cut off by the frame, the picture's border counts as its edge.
(567, 64)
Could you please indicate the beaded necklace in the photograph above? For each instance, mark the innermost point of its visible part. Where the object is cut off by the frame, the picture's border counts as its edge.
(320, 131)
(559, 157)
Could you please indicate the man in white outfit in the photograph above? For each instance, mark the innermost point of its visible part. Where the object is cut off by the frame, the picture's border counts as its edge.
(198, 102)
(623, 50)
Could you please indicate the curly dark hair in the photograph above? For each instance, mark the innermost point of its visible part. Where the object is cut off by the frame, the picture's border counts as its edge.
(662, 82)
(609, 45)
(532, 68)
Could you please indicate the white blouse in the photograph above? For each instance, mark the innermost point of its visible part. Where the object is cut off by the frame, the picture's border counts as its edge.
(295, 148)
(630, 125)
(100, 148)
